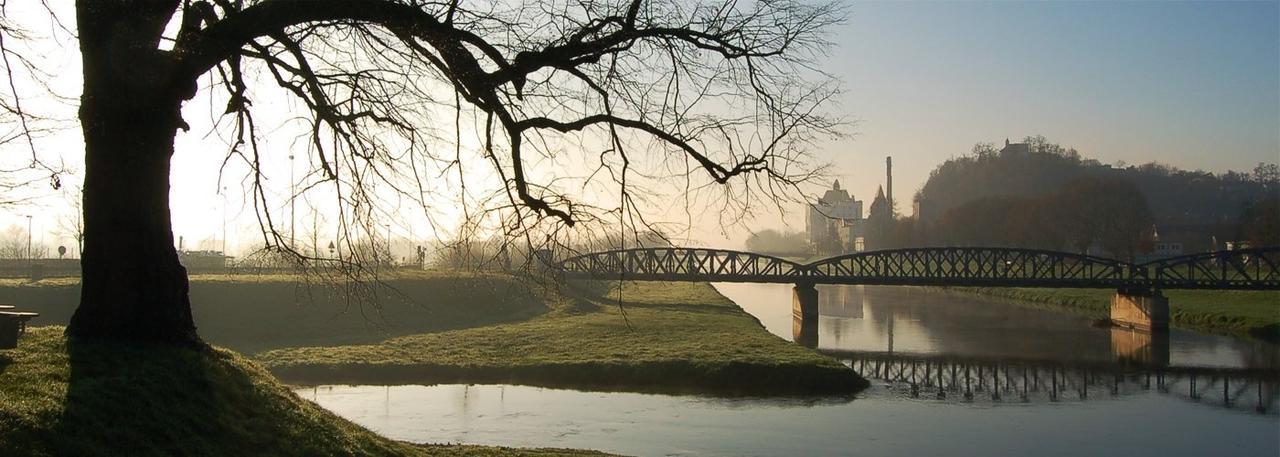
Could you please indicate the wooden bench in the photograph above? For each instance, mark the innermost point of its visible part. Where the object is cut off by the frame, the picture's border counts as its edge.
(13, 324)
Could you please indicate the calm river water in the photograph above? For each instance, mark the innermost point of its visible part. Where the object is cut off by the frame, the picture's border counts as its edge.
(952, 375)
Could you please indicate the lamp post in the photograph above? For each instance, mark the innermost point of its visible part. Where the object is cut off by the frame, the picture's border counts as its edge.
(223, 193)
(390, 258)
(29, 237)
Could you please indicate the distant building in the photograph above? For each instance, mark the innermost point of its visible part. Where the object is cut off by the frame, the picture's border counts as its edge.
(834, 222)
(1015, 148)
(203, 260)
(879, 222)
(1162, 247)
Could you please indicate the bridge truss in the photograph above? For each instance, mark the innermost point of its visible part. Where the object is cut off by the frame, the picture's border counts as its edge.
(683, 264)
(1255, 269)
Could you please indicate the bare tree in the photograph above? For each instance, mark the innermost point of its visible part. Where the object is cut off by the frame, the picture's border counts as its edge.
(71, 224)
(13, 243)
(23, 170)
(718, 95)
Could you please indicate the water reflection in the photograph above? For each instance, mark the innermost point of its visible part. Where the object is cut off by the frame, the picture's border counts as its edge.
(988, 378)
(878, 423)
(1026, 381)
(925, 321)
(1137, 347)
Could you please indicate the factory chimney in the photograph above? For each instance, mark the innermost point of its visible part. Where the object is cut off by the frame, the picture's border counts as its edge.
(888, 185)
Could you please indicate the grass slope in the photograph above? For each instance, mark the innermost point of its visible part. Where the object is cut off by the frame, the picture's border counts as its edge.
(91, 399)
(667, 337)
(1254, 313)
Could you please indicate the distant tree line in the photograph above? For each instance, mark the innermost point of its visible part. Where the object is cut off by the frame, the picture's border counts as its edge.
(771, 241)
(1088, 214)
(1043, 190)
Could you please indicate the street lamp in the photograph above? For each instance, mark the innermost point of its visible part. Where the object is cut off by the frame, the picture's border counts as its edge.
(29, 237)
(223, 193)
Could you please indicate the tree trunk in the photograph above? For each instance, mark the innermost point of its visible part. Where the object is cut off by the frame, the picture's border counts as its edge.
(132, 286)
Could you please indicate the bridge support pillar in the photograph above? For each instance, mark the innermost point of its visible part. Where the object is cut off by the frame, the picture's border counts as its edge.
(805, 331)
(804, 315)
(804, 301)
(1140, 310)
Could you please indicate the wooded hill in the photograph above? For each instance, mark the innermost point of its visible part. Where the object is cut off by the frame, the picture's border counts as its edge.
(1197, 206)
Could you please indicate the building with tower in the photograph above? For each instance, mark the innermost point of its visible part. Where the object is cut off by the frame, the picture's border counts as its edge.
(835, 212)
(835, 223)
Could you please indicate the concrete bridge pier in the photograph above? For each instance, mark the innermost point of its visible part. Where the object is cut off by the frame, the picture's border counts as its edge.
(1146, 310)
(804, 314)
(804, 301)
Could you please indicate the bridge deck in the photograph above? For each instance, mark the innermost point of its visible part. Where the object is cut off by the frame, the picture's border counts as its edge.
(1247, 269)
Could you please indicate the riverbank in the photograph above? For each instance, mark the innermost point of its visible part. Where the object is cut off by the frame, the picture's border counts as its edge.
(104, 399)
(470, 327)
(1254, 314)
(665, 337)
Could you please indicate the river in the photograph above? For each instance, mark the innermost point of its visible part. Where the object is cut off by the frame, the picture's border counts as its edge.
(952, 375)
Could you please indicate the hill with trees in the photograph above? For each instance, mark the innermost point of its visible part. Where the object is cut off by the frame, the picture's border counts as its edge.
(1192, 207)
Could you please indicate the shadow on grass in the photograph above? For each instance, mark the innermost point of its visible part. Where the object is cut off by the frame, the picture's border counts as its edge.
(128, 399)
(138, 399)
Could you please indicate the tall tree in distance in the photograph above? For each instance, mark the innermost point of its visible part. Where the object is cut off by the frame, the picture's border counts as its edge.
(1111, 212)
(725, 88)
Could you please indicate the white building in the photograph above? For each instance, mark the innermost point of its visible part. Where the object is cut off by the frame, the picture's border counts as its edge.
(834, 220)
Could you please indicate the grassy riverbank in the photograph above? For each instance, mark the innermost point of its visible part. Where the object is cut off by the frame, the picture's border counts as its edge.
(1241, 313)
(446, 326)
(667, 337)
(91, 399)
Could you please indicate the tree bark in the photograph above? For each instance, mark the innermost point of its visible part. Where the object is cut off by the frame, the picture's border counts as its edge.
(132, 287)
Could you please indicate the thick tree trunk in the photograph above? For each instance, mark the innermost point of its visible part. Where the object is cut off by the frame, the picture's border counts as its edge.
(133, 287)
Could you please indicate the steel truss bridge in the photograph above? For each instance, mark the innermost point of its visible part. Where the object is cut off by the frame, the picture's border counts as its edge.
(1023, 381)
(1242, 269)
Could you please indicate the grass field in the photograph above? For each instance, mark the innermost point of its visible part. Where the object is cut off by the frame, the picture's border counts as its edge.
(96, 399)
(1241, 313)
(250, 313)
(667, 337)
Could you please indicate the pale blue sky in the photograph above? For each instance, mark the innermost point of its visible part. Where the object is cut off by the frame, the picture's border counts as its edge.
(1196, 85)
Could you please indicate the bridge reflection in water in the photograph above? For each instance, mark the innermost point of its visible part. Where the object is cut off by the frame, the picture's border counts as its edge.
(976, 379)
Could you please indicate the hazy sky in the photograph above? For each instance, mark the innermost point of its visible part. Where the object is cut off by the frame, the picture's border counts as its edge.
(1196, 85)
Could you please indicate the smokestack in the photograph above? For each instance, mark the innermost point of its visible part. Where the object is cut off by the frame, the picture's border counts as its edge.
(888, 184)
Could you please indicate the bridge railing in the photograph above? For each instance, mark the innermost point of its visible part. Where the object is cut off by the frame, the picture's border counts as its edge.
(1237, 269)
(961, 266)
(677, 264)
(974, 266)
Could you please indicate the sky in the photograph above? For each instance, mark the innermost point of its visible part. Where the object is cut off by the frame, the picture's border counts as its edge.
(1195, 85)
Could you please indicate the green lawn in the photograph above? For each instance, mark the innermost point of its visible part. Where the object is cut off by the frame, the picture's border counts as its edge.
(1254, 313)
(668, 337)
(96, 399)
